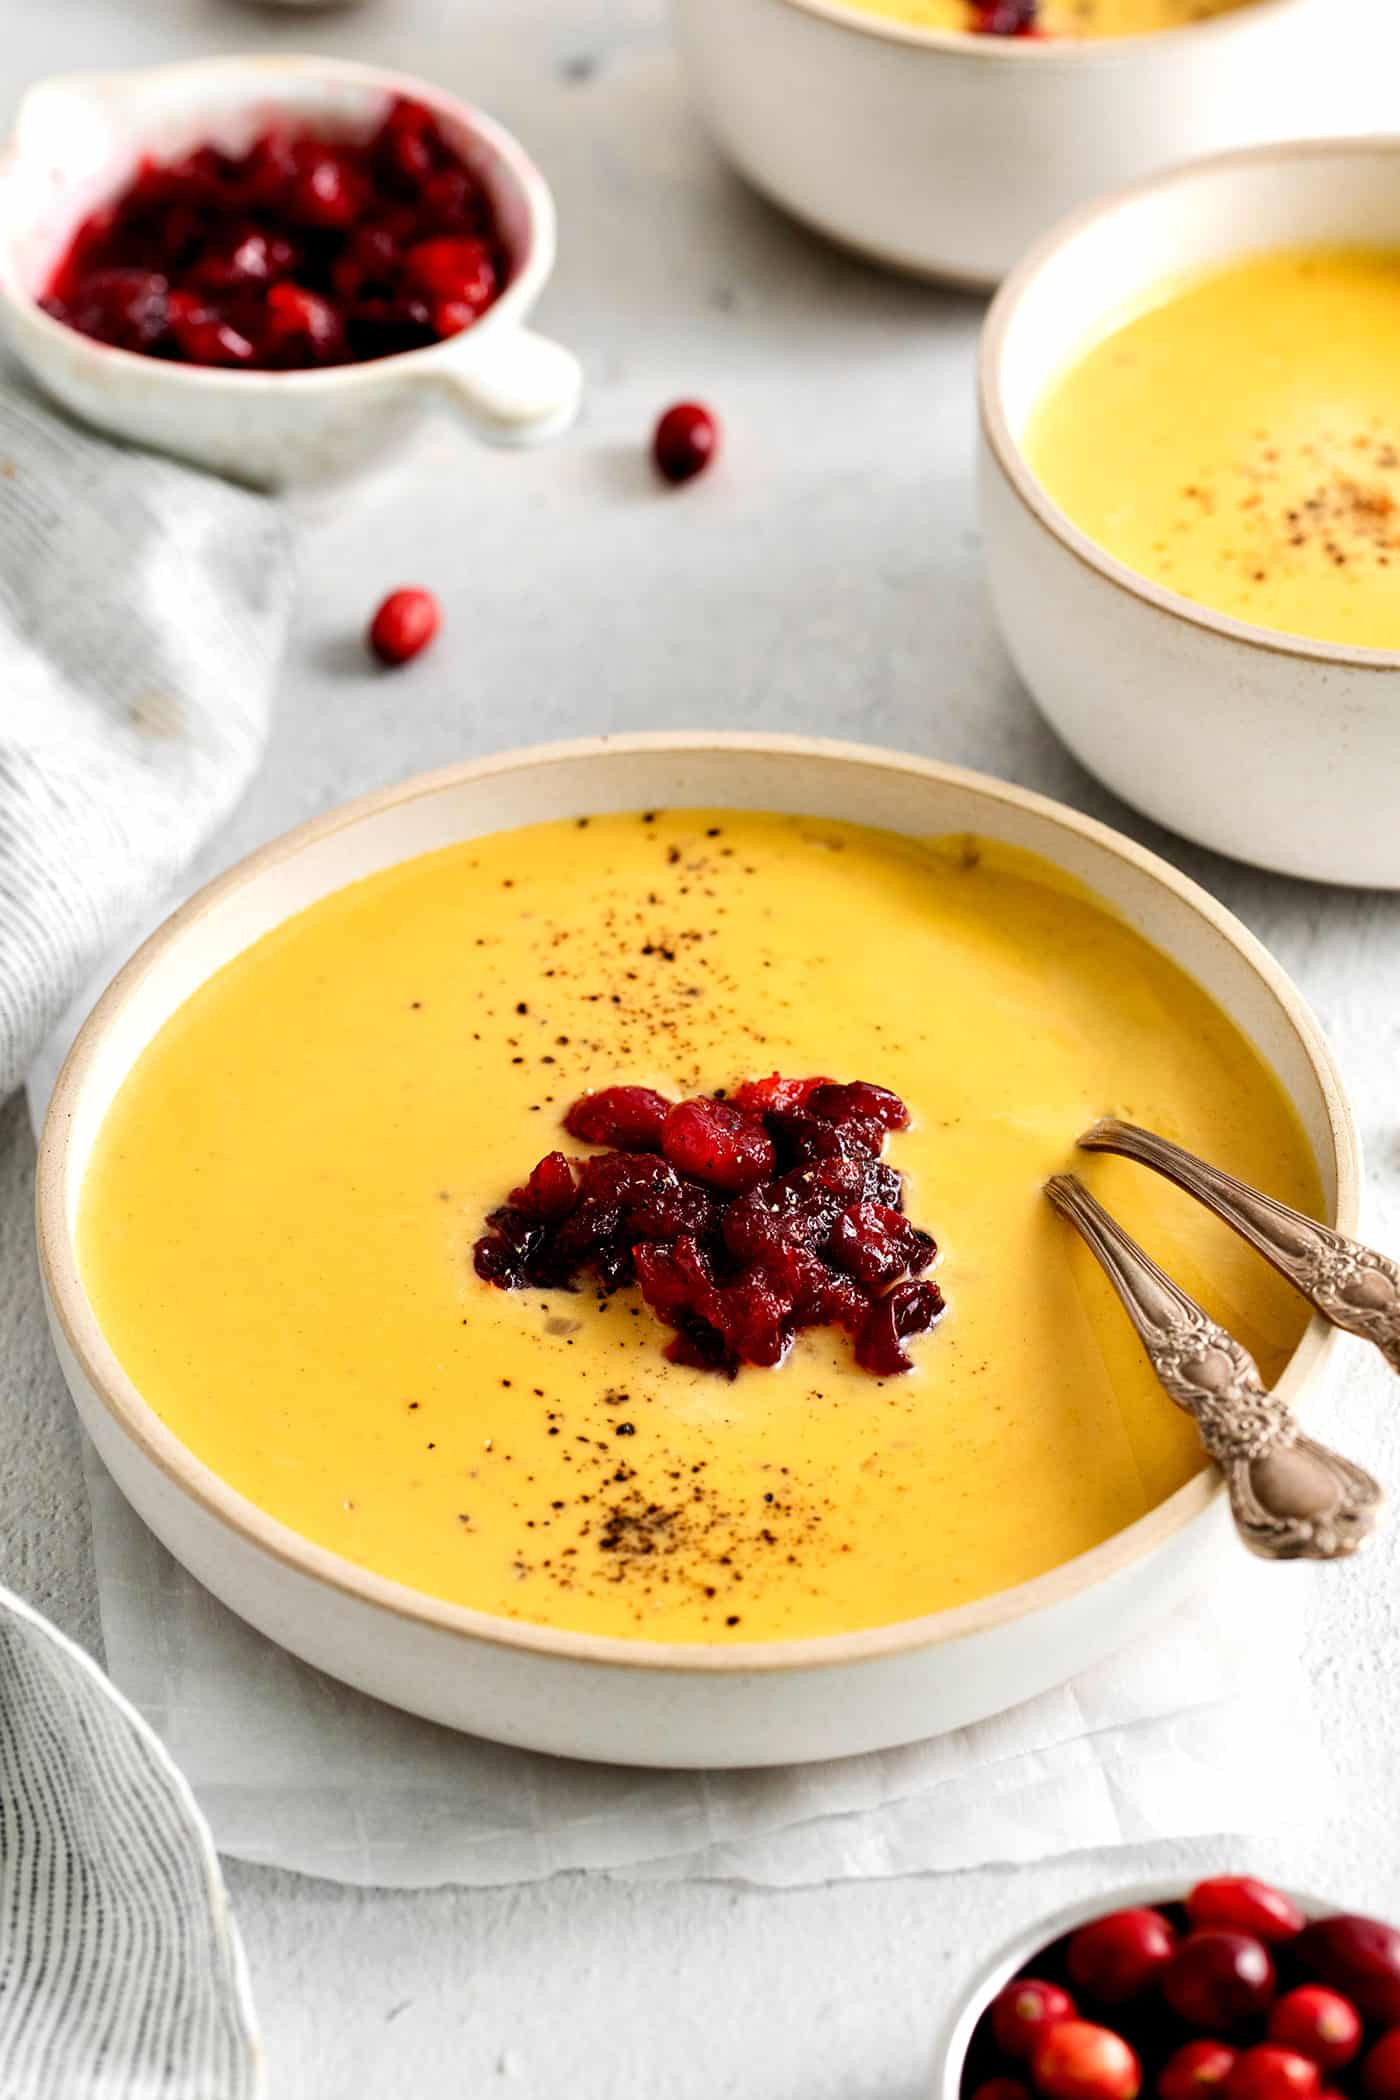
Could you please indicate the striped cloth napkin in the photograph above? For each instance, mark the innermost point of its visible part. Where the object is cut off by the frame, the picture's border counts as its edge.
(143, 609)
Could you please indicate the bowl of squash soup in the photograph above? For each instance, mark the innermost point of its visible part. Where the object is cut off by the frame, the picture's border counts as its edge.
(942, 137)
(1190, 486)
(560, 1244)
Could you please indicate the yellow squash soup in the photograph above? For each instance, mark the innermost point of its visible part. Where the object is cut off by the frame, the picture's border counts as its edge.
(1239, 441)
(1069, 18)
(277, 1224)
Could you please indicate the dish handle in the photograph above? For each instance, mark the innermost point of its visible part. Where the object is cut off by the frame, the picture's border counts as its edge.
(516, 389)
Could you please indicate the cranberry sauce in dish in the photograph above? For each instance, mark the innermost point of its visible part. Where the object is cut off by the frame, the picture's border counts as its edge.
(708, 1075)
(306, 250)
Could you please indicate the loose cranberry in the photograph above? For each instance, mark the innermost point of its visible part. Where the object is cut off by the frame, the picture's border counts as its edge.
(1268, 2072)
(631, 1117)
(1318, 2023)
(1074, 2060)
(1359, 1957)
(718, 1144)
(1023, 2011)
(685, 441)
(1197, 2071)
(404, 625)
(1116, 1957)
(1216, 1980)
(1241, 1904)
(1380, 2068)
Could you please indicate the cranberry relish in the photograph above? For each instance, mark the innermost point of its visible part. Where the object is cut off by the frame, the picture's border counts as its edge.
(305, 250)
(741, 1220)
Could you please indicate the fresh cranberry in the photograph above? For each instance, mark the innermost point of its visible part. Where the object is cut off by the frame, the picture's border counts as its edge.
(1116, 1957)
(1023, 2011)
(876, 1244)
(203, 334)
(404, 625)
(302, 328)
(775, 1095)
(685, 441)
(1359, 1957)
(718, 1144)
(1216, 1980)
(1268, 2072)
(1241, 1904)
(551, 1192)
(630, 1117)
(1004, 17)
(1318, 2023)
(128, 308)
(1196, 2071)
(457, 277)
(909, 1309)
(1074, 2060)
(1380, 2068)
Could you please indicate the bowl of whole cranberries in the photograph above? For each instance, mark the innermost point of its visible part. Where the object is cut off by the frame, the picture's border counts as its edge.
(1234, 1990)
(270, 265)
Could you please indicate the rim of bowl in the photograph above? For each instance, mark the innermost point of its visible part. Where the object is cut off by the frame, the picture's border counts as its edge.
(264, 71)
(1011, 459)
(1022, 50)
(140, 1424)
(999, 1968)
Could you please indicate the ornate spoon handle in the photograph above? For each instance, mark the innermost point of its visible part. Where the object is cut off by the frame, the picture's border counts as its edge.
(1351, 1285)
(1291, 1498)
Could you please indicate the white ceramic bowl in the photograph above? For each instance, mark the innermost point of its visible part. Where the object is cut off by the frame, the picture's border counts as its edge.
(947, 154)
(1031, 1940)
(1275, 749)
(639, 1702)
(77, 141)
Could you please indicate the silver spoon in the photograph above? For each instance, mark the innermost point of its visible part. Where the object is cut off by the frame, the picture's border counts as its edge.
(1291, 1498)
(1352, 1286)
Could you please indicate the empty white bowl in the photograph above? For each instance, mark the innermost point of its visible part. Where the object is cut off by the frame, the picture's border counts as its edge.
(649, 1702)
(947, 154)
(1270, 747)
(77, 141)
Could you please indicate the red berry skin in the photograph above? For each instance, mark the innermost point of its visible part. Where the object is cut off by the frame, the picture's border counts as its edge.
(1116, 1958)
(718, 1144)
(1359, 1957)
(1001, 2089)
(1240, 1904)
(1197, 2071)
(1074, 2060)
(1318, 2023)
(629, 1117)
(1380, 2068)
(404, 625)
(685, 441)
(1024, 2010)
(1268, 2072)
(1215, 1980)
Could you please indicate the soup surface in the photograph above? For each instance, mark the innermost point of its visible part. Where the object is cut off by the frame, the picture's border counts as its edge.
(1254, 463)
(276, 1227)
(1073, 18)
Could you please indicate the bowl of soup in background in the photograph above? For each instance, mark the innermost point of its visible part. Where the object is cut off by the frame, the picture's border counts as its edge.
(323, 1587)
(947, 153)
(1280, 748)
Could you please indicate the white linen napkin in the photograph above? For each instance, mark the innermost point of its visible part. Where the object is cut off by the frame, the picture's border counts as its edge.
(142, 613)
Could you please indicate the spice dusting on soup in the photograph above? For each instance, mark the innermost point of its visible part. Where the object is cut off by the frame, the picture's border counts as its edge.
(278, 1224)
